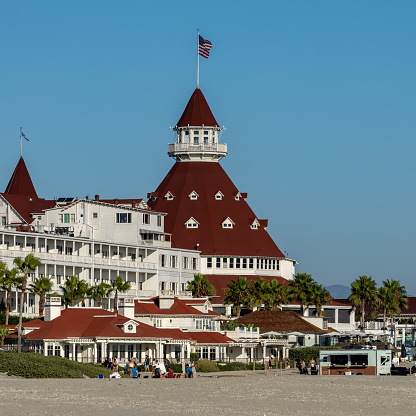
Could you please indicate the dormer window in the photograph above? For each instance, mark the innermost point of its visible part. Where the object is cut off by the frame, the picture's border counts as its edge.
(255, 224)
(237, 196)
(169, 196)
(228, 223)
(219, 196)
(129, 327)
(192, 223)
(193, 196)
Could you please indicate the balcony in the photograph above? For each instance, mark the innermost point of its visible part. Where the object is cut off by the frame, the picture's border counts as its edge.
(210, 151)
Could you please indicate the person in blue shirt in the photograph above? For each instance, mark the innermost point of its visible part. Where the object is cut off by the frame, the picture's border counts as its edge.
(134, 373)
(188, 371)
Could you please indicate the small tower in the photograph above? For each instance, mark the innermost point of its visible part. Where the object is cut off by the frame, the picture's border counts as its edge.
(197, 133)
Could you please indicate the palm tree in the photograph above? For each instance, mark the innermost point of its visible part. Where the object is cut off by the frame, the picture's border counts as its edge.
(363, 292)
(83, 291)
(259, 291)
(29, 264)
(41, 287)
(399, 295)
(73, 289)
(300, 290)
(9, 280)
(276, 295)
(385, 301)
(98, 292)
(319, 296)
(200, 287)
(239, 293)
(118, 285)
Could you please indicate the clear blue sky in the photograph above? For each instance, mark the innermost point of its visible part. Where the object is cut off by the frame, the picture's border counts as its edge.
(318, 98)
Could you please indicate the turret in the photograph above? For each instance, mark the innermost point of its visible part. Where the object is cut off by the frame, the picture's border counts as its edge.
(197, 137)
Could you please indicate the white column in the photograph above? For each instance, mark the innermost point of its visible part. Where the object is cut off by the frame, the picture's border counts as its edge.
(403, 336)
(74, 358)
(45, 348)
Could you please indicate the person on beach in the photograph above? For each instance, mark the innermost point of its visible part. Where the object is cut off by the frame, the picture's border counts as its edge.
(167, 364)
(134, 373)
(194, 374)
(188, 371)
(162, 369)
(115, 363)
(170, 373)
(299, 364)
(107, 363)
(287, 363)
(146, 364)
(270, 363)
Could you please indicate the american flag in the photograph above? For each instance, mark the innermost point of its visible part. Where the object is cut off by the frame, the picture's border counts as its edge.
(204, 47)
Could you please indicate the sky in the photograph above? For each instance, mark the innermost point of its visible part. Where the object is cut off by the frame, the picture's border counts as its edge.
(317, 98)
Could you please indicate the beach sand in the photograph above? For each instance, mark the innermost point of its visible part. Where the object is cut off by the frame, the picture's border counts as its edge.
(228, 394)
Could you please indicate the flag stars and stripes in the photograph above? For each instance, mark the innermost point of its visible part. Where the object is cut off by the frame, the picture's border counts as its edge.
(204, 47)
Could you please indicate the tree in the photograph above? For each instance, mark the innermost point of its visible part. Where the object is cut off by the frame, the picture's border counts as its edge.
(276, 295)
(29, 264)
(73, 289)
(259, 292)
(4, 332)
(10, 279)
(98, 292)
(41, 287)
(200, 287)
(118, 285)
(83, 291)
(300, 290)
(319, 296)
(239, 293)
(363, 292)
(385, 301)
(399, 294)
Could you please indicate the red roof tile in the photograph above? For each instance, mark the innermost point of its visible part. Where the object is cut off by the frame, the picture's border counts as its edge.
(197, 112)
(206, 337)
(206, 178)
(20, 183)
(179, 307)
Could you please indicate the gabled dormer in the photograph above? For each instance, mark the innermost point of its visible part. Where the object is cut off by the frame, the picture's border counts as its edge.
(129, 327)
(193, 196)
(254, 224)
(192, 223)
(219, 196)
(169, 196)
(240, 195)
(228, 223)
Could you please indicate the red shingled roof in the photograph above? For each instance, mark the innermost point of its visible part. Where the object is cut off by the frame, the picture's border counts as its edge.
(205, 337)
(206, 179)
(21, 195)
(20, 183)
(92, 322)
(179, 307)
(220, 281)
(197, 112)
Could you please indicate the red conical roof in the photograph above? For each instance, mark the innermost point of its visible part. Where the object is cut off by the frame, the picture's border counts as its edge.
(20, 183)
(206, 179)
(197, 112)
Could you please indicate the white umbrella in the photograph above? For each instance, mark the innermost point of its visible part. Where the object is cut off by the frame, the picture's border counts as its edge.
(270, 333)
(298, 334)
(332, 334)
(222, 318)
(358, 334)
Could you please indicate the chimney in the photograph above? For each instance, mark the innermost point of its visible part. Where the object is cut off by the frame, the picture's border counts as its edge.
(87, 198)
(52, 308)
(166, 299)
(126, 307)
(97, 197)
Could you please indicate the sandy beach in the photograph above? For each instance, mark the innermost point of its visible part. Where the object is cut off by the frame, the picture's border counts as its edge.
(228, 394)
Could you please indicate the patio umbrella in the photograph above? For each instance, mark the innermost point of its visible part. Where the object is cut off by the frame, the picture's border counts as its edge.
(332, 334)
(298, 334)
(221, 318)
(358, 334)
(271, 333)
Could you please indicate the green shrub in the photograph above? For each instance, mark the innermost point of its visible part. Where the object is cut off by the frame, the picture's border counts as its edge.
(13, 319)
(207, 366)
(194, 357)
(32, 365)
(307, 353)
(177, 368)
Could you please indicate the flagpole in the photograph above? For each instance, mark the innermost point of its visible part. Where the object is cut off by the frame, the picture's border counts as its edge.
(21, 145)
(197, 65)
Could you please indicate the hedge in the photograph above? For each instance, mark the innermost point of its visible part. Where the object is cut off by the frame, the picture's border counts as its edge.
(32, 365)
(307, 353)
(207, 366)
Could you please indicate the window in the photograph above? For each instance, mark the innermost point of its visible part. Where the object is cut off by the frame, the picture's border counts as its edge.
(130, 327)
(339, 359)
(95, 215)
(169, 196)
(237, 263)
(206, 132)
(212, 354)
(50, 349)
(228, 223)
(196, 140)
(231, 263)
(205, 140)
(244, 263)
(224, 262)
(218, 262)
(219, 195)
(174, 262)
(192, 223)
(185, 262)
(58, 350)
(60, 249)
(205, 352)
(209, 262)
(194, 263)
(359, 359)
(277, 264)
(146, 218)
(123, 218)
(196, 132)
(3, 221)
(186, 132)
(159, 221)
(193, 196)
(68, 251)
(163, 260)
